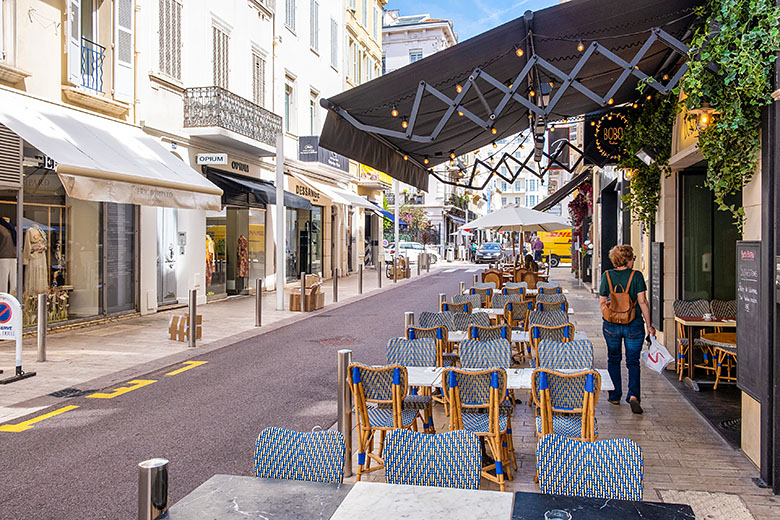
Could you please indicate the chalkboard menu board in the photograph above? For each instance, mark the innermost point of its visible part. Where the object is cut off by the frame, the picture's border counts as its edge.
(752, 365)
(657, 285)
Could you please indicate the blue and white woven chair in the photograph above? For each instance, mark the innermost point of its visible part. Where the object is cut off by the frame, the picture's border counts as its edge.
(516, 313)
(550, 298)
(549, 287)
(470, 393)
(474, 299)
(378, 387)
(552, 318)
(490, 333)
(287, 454)
(565, 403)
(485, 291)
(608, 469)
(514, 288)
(724, 309)
(436, 319)
(450, 459)
(538, 333)
(455, 308)
(686, 308)
(444, 355)
(463, 321)
(571, 355)
(550, 306)
(419, 352)
(476, 353)
(499, 301)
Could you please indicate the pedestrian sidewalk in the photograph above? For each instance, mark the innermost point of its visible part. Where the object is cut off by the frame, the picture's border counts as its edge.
(98, 356)
(685, 459)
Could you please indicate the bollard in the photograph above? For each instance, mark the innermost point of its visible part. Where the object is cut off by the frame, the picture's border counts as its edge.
(259, 302)
(427, 263)
(408, 320)
(360, 279)
(476, 278)
(442, 300)
(419, 264)
(303, 291)
(462, 288)
(193, 325)
(395, 269)
(43, 322)
(379, 272)
(335, 285)
(345, 407)
(152, 488)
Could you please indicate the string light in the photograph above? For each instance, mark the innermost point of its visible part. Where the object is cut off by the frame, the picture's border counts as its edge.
(592, 123)
(580, 46)
(492, 159)
(406, 157)
(394, 112)
(452, 154)
(493, 131)
(649, 97)
(552, 127)
(635, 105)
(425, 160)
(405, 123)
(495, 145)
(552, 84)
(519, 52)
(666, 77)
(458, 89)
(531, 93)
(610, 101)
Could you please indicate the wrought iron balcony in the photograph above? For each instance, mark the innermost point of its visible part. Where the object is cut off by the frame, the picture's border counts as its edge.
(92, 56)
(217, 107)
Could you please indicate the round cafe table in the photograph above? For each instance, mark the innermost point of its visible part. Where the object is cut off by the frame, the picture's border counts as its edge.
(724, 344)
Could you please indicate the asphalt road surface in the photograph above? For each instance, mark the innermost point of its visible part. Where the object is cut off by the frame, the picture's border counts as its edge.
(82, 464)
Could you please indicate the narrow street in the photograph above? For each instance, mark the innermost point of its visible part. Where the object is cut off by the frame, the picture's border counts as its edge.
(82, 463)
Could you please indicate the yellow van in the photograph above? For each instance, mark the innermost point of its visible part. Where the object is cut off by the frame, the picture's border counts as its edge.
(557, 244)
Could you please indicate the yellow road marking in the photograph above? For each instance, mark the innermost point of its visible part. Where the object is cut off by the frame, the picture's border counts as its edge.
(135, 384)
(26, 425)
(192, 364)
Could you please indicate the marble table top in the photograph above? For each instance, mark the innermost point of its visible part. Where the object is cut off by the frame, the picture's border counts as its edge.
(230, 496)
(500, 312)
(532, 506)
(423, 376)
(376, 500)
(456, 336)
(520, 378)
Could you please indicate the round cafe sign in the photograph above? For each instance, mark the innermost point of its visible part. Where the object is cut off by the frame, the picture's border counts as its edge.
(610, 129)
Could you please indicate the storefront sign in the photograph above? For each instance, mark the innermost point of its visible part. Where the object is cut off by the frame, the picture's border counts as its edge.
(657, 285)
(239, 166)
(309, 150)
(370, 174)
(604, 137)
(212, 158)
(557, 140)
(753, 353)
(308, 192)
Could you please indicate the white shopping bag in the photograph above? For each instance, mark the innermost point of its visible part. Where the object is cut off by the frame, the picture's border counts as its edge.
(656, 357)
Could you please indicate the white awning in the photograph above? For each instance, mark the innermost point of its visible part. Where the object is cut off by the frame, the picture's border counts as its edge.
(337, 195)
(101, 159)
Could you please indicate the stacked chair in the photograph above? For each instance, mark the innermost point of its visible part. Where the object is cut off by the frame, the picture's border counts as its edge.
(724, 354)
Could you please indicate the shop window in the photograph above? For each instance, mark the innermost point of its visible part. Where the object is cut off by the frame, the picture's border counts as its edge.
(220, 57)
(169, 35)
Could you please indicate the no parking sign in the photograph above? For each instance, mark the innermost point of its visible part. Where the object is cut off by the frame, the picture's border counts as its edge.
(11, 329)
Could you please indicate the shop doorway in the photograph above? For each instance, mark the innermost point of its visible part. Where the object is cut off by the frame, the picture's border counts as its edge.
(167, 231)
(235, 250)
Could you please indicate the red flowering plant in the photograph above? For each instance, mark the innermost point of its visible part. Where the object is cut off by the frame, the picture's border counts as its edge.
(581, 208)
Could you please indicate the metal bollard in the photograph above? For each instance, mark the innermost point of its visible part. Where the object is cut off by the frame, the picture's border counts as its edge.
(345, 407)
(193, 326)
(43, 323)
(476, 278)
(360, 279)
(259, 302)
(408, 320)
(303, 291)
(419, 264)
(442, 300)
(379, 272)
(395, 269)
(427, 263)
(335, 285)
(462, 288)
(152, 488)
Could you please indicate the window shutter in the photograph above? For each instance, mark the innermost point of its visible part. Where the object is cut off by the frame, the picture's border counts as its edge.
(170, 38)
(10, 158)
(74, 41)
(258, 79)
(123, 50)
(334, 43)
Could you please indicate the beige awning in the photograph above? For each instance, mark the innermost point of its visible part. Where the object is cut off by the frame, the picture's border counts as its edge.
(101, 159)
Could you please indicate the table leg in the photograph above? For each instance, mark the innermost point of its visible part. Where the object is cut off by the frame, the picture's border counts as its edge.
(691, 368)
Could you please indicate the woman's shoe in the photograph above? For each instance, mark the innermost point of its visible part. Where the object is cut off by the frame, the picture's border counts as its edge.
(616, 403)
(635, 407)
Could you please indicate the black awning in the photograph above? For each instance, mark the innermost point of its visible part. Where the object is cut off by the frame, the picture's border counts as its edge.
(562, 192)
(622, 28)
(251, 193)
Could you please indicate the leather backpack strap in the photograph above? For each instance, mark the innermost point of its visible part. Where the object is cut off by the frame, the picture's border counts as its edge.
(628, 285)
(609, 282)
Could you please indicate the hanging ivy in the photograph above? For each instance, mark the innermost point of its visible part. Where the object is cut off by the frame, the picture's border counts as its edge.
(649, 126)
(741, 38)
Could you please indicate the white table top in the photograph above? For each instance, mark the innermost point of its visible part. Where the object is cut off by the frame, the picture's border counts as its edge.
(530, 292)
(376, 500)
(457, 336)
(423, 376)
(500, 312)
(520, 378)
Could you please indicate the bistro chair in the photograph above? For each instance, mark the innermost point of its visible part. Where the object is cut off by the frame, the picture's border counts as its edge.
(608, 469)
(484, 293)
(529, 277)
(560, 355)
(498, 301)
(474, 299)
(381, 387)
(437, 319)
(444, 356)
(463, 308)
(493, 276)
(550, 298)
(725, 309)
(565, 403)
(452, 459)
(685, 308)
(551, 318)
(514, 288)
(477, 353)
(549, 306)
(463, 321)
(415, 352)
(515, 313)
(536, 333)
(549, 288)
(490, 333)
(471, 393)
(287, 454)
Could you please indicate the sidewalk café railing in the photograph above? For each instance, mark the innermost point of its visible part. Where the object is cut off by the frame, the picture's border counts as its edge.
(92, 56)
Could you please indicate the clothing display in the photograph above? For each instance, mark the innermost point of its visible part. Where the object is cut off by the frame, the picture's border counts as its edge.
(8, 275)
(36, 275)
(6, 223)
(7, 240)
(210, 258)
(243, 257)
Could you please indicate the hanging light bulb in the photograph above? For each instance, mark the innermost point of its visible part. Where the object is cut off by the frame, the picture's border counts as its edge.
(552, 127)
(592, 123)
(511, 85)
(580, 46)
(460, 113)
(649, 97)
(635, 105)
(494, 143)
(565, 121)
(452, 154)
(522, 147)
(492, 159)
(452, 163)
(610, 101)
(458, 89)
(406, 157)
(609, 117)
(394, 112)
(405, 123)
(531, 93)
(494, 131)
(519, 52)
(666, 77)
(425, 160)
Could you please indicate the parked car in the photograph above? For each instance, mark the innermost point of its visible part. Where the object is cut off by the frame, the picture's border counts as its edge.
(489, 252)
(411, 250)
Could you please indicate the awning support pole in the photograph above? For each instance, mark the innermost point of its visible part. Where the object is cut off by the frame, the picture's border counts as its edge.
(281, 239)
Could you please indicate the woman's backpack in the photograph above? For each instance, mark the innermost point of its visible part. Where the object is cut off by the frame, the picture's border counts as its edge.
(619, 308)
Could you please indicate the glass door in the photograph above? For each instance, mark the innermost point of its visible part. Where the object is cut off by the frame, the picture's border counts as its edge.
(291, 255)
(216, 255)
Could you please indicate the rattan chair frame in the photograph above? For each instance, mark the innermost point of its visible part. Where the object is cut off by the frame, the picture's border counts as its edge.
(535, 339)
(462, 307)
(484, 293)
(544, 408)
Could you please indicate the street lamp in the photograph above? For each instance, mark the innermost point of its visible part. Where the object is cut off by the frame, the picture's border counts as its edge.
(647, 155)
(704, 115)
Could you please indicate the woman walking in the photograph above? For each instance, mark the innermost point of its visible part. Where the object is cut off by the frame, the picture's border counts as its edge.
(622, 322)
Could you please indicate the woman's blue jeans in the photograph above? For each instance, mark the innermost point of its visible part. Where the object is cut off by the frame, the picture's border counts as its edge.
(633, 334)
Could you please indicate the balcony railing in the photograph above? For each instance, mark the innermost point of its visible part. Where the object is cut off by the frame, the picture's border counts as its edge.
(92, 56)
(217, 107)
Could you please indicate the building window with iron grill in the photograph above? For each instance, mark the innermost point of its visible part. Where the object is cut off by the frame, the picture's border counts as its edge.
(169, 34)
(220, 57)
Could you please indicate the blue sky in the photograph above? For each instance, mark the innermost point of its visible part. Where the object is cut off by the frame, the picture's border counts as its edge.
(470, 17)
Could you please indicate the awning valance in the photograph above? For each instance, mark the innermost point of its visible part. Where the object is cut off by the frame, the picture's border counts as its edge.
(622, 41)
(389, 216)
(101, 159)
(562, 192)
(243, 191)
(337, 195)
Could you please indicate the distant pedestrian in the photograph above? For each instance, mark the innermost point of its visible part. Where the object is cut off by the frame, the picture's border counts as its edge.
(622, 323)
(538, 247)
(473, 250)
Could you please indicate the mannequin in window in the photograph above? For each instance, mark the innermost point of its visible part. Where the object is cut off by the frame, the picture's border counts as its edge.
(243, 257)
(7, 256)
(36, 276)
(210, 256)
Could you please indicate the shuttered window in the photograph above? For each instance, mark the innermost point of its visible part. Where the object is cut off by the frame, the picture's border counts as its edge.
(10, 158)
(364, 13)
(124, 88)
(258, 79)
(334, 43)
(220, 43)
(289, 14)
(315, 25)
(170, 38)
(377, 23)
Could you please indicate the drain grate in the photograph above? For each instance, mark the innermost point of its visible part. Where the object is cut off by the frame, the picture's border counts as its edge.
(733, 425)
(70, 392)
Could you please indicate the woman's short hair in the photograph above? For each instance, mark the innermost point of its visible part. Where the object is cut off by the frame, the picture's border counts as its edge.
(621, 255)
